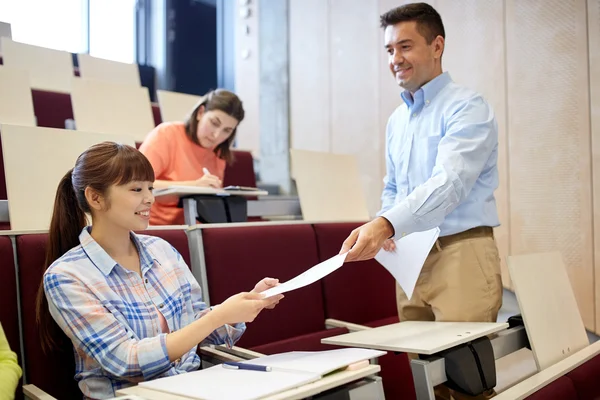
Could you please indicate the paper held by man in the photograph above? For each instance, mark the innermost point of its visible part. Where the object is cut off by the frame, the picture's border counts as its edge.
(405, 264)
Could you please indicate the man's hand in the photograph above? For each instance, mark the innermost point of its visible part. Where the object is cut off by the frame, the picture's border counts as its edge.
(365, 241)
(389, 245)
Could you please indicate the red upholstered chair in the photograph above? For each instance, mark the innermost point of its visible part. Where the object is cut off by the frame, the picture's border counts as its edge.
(560, 389)
(8, 298)
(585, 379)
(54, 373)
(364, 293)
(51, 108)
(238, 257)
(156, 114)
(241, 172)
(360, 292)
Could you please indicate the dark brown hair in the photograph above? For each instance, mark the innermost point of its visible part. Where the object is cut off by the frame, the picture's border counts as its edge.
(222, 100)
(429, 21)
(99, 167)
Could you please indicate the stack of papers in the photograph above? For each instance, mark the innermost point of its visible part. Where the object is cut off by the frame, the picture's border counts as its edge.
(406, 262)
(289, 370)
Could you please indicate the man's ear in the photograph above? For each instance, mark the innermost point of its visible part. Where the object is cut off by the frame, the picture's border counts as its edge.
(438, 46)
(94, 199)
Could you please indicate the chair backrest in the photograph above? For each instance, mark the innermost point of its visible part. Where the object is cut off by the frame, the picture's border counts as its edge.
(5, 31)
(175, 106)
(48, 69)
(329, 187)
(359, 292)
(108, 70)
(110, 108)
(241, 171)
(240, 256)
(35, 159)
(548, 306)
(51, 109)
(53, 373)
(16, 104)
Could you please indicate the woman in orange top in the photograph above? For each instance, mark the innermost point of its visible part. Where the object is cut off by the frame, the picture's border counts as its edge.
(181, 152)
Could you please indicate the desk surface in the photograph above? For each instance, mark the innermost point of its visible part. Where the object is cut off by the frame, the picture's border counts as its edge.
(328, 382)
(172, 193)
(422, 337)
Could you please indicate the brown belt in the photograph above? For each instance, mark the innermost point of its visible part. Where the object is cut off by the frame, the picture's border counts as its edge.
(480, 231)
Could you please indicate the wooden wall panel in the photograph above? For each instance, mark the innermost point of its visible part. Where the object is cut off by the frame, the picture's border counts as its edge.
(593, 8)
(309, 75)
(355, 53)
(549, 137)
(475, 57)
(247, 79)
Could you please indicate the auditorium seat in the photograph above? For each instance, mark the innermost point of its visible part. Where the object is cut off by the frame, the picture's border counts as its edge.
(54, 372)
(8, 298)
(364, 293)
(560, 389)
(241, 172)
(51, 109)
(238, 257)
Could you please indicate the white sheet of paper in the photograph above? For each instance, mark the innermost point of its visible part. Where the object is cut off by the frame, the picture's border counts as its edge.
(406, 262)
(309, 276)
(218, 383)
(317, 362)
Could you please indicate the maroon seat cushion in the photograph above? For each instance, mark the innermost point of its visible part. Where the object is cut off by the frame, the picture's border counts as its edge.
(359, 292)
(585, 378)
(176, 237)
(560, 389)
(237, 257)
(241, 172)
(53, 373)
(51, 108)
(308, 342)
(8, 295)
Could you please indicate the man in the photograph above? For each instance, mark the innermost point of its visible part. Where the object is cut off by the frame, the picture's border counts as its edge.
(441, 155)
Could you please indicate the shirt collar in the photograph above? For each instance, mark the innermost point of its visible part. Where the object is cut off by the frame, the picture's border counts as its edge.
(428, 91)
(106, 263)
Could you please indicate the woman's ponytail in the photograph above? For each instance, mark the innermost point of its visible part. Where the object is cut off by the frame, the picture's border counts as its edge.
(68, 219)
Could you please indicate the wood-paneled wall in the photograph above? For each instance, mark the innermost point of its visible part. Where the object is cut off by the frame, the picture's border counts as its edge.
(537, 62)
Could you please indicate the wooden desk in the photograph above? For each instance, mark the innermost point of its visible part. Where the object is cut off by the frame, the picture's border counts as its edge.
(421, 337)
(311, 389)
(550, 374)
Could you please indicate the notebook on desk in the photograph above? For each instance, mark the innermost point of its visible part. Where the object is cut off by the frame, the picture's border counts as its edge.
(242, 188)
(288, 371)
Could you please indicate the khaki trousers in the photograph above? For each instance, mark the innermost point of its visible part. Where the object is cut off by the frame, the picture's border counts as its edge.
(460, 282)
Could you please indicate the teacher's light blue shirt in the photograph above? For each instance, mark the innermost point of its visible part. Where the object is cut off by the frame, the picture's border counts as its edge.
(441, 158)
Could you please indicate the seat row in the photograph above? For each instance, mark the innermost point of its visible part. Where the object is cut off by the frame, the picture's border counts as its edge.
(236, 256)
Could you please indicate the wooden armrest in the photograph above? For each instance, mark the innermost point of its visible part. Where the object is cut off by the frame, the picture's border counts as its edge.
(218, 356)
(33, 392)
(239, 352)
(543, 378)
(336, 323)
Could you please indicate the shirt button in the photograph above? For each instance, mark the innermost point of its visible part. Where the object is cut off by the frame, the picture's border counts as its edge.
(426, 101)
(161, 305)
(146, 280)
(414, 114)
